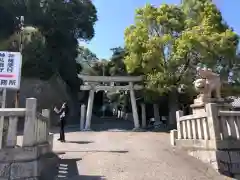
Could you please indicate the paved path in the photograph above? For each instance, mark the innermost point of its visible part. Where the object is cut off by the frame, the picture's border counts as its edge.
(125, 156)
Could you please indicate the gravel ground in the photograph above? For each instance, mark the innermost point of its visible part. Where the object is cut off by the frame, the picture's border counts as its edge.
(125, 156)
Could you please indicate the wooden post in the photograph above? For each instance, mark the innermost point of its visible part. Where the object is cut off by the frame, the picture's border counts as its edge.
(4, 94)
(89, 110)
(134, 107)
(46, 114)
(83, 115)
(213, 121)
(29, 135)
(17, 99)
(144, 121)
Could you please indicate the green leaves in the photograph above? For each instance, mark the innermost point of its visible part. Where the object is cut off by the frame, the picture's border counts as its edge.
(74, 17)
(36, 63)
(61, 24)
(166, 43)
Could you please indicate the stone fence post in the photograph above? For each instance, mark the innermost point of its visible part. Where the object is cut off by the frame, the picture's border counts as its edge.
(46, 114)
(179, 128)
(213, 121)
(30, 125)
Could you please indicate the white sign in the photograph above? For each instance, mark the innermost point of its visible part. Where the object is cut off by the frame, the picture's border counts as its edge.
(10, 70)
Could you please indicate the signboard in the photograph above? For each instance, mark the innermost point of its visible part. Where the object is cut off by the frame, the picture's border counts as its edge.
(10, 69)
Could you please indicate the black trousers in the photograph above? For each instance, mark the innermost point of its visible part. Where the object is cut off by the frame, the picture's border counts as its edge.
(62, 132)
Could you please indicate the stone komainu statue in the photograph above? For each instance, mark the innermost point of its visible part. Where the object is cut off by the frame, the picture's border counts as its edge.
(208, 83)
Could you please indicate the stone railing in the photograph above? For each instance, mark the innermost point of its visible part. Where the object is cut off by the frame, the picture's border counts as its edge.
(210, 129)
(211, 135)
(43, 125)
(229, 123)
(20, 156)
(193, 130)
(192, 126)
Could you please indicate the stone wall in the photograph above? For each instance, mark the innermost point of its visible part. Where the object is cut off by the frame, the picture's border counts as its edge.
(23, 162)
(226, 162)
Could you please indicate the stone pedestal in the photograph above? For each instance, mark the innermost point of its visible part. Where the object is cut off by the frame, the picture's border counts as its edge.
(23, 162)
(223, 159)
(199, 107)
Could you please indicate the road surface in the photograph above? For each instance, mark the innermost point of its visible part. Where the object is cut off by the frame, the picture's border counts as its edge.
(125, 156)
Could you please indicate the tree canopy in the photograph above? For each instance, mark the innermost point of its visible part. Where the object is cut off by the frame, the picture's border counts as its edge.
(53, 51)
(85, 59)
(166, 43)
(62, 24)
(116, 64)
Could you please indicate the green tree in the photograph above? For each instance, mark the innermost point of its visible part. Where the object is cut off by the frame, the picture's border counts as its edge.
(35, 62)
(62, 24)
(85, 60)
(86, 55)
(166, 46)
(116, 63)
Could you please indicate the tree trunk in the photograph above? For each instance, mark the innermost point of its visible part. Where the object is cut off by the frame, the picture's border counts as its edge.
(172, 108)
(74, 107)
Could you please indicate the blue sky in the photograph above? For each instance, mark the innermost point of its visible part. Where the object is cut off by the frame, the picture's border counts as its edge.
(115, 15)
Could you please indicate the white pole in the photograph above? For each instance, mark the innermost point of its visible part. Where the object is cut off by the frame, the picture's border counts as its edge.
(20, 50)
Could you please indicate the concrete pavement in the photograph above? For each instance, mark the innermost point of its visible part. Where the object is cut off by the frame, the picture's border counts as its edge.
(125, 156)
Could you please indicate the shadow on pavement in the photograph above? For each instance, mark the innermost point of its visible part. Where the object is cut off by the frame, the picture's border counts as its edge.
(113, 128)
(80, 142)
(93, 151)
(99, 125)
(82, 177)
(66, 169)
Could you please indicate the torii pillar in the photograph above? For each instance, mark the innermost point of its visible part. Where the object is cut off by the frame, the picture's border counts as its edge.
(89, 110)
(134, 107)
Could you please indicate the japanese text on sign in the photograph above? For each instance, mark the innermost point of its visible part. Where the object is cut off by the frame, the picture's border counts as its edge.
(10, 70)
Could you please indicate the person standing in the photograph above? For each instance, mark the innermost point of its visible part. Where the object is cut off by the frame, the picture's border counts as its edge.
(63, 113)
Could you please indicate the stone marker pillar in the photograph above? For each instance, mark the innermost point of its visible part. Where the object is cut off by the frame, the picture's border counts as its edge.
(156, 113)
(83, 115)
(89, 110)
(134, 107)
(118, 114)
(144, 121)
(29, 134)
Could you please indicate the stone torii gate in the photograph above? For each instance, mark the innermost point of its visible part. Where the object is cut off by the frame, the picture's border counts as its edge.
(94, 83)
